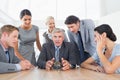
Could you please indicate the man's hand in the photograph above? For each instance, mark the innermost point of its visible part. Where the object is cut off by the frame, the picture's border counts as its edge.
(25, 65)
(65, 64)
(29, 64)
(49, 64)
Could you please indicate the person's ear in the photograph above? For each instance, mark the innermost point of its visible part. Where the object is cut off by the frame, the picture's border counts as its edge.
(104, 34)
(78, 23)
(5, 34)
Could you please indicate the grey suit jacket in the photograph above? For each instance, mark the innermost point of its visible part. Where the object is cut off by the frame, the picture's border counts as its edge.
(48, 52)
(5, 66)
(87, 33)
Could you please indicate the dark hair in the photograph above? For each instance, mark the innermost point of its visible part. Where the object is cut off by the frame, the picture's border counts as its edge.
(7, 28)
(25, 12)
(72, 19)
(108, 30)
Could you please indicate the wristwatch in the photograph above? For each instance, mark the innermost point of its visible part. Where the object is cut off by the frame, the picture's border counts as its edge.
(72, 66)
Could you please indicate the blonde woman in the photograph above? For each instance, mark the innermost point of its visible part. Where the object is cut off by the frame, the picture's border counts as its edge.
(50, 23)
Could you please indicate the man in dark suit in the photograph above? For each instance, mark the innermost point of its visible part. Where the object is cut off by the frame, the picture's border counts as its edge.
(81, 34)
(49, 54)
(8, 61)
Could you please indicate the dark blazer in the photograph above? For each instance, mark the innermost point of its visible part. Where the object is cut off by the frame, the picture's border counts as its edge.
(48, 52)
(5, 66)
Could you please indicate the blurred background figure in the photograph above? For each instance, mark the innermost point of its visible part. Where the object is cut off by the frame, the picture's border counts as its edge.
(50, 23)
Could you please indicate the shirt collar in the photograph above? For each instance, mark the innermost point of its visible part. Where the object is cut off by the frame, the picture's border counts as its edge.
(5, 49)
(57, 47)
(79, 29)
(49, 34)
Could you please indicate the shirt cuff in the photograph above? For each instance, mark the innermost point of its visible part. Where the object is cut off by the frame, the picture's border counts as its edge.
(18, 67)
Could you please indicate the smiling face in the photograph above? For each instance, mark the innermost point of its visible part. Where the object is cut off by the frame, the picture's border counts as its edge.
(58, 38)
(26, 20)
(51, 24)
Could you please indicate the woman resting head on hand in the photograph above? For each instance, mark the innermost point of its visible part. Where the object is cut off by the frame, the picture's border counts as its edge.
(107, 57)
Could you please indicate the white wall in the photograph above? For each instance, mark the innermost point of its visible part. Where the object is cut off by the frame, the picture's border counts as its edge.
(109, 6)
(114, 21)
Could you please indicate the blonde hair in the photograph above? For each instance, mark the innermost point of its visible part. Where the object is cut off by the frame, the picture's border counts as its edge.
(48, 19)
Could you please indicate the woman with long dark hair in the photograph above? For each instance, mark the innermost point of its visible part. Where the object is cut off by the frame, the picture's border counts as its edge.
(107, 57)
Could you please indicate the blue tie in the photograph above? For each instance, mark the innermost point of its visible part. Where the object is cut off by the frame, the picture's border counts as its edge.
(7, 56)
(82, 56)
(57, 54)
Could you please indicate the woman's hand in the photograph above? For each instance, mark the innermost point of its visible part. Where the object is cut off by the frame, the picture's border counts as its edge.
(99, 69)
(100, 43)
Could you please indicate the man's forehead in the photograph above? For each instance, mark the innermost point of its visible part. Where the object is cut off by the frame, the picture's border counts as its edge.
(58, 34)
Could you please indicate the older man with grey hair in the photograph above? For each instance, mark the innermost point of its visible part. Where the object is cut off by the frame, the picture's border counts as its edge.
(57, 54)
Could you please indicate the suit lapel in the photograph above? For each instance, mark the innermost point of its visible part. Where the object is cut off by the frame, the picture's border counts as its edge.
(2, 53)
(82, 27)
(52, 49)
